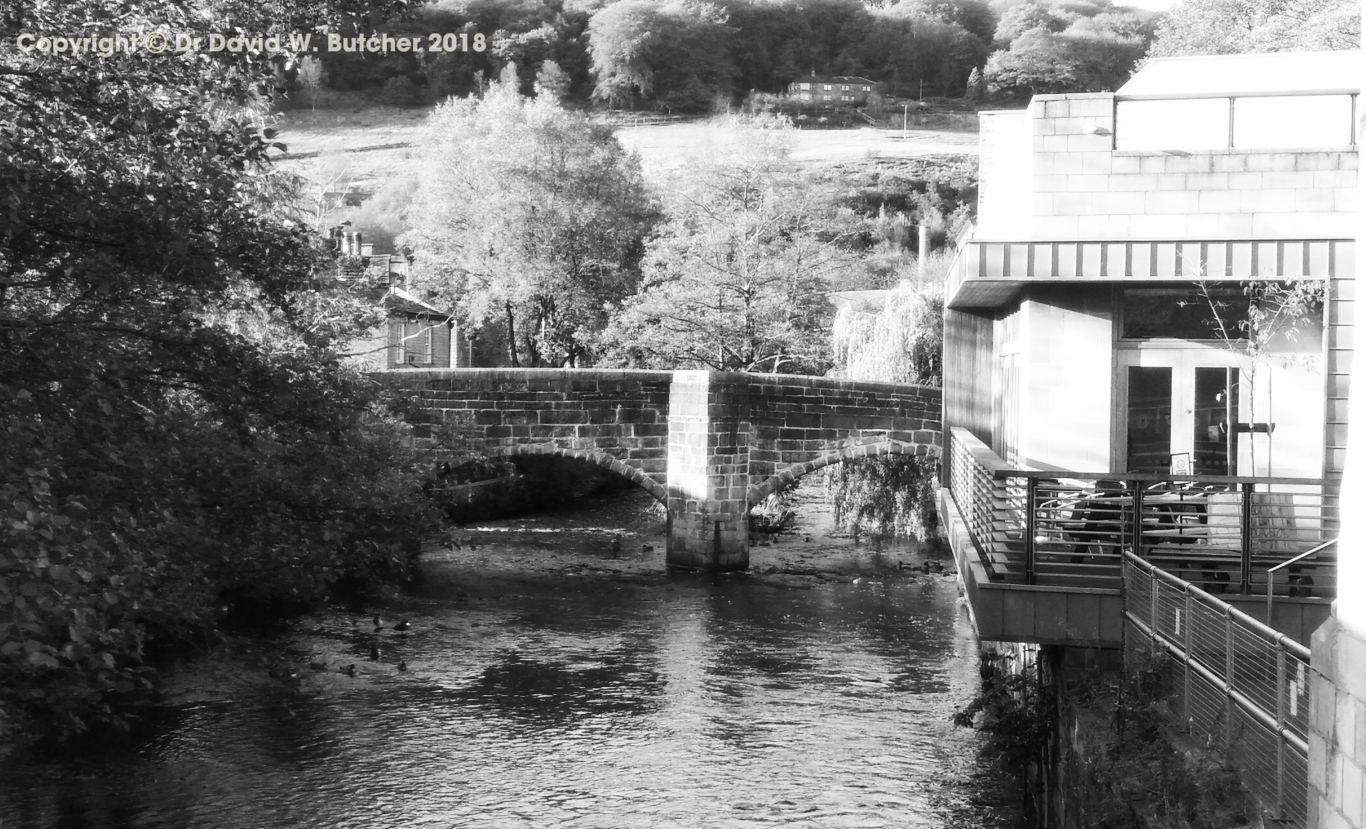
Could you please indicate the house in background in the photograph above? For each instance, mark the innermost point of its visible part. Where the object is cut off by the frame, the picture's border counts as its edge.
(416, 334)
(1081, 363)
(831, 90)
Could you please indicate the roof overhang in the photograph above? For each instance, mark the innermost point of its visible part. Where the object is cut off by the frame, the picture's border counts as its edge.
(991, 274)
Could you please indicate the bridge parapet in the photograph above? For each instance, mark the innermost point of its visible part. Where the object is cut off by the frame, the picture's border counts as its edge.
(708, 444)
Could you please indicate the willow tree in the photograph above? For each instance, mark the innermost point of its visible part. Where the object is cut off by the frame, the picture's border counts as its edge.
(528, 219)
(900, 342)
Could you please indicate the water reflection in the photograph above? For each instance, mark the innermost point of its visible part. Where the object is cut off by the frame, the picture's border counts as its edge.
(550, 685)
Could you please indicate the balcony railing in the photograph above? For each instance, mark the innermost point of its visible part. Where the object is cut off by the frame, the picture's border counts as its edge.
(1073, 528)
(1233, 682)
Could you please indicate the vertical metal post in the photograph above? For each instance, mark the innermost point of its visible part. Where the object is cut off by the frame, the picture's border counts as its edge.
(1138, 518)
(1228, 677)
(1245, 564)
(1031, 490)
(1153, 586)
(1280, 728)
(1186, 645)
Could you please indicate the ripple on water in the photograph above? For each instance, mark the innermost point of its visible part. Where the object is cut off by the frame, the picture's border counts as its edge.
(621, 695)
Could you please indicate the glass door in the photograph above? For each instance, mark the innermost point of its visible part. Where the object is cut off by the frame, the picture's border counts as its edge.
(1177, 407)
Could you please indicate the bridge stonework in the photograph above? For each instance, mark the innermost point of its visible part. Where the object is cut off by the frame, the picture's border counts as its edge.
(708, 445)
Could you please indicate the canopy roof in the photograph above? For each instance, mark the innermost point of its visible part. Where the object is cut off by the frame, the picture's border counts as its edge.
(1279, 73)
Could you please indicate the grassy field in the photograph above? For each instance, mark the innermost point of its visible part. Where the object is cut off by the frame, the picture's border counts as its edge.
(357, 149)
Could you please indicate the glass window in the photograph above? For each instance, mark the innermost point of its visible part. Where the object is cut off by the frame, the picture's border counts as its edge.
(1198, 124)
(1216, 406)
(1183, 313)
(1150, 419)
(1284, 121)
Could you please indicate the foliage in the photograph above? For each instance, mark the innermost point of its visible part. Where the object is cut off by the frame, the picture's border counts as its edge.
(1015, 709)
(179, 434)
(903, 342)
(311, 79)
(675, 52)
(1091, 54)
(1128, 769)
(530, 219)
(551, 82)
(1226, 27)
(1273, 317)
(892, 495)
(735, 278)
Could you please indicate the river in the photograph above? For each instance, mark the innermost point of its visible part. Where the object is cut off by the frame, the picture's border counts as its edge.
(548, 683)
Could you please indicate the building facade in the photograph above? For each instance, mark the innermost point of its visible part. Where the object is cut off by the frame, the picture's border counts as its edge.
(1097, 315)
(832, 90)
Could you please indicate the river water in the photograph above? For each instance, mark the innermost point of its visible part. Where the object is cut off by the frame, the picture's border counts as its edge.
(551, 684)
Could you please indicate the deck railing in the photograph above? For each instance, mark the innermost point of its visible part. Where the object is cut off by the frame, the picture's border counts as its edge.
(1072, 528)
(1237, 684)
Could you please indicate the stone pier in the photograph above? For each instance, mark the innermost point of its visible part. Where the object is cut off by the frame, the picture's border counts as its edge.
(708, 471)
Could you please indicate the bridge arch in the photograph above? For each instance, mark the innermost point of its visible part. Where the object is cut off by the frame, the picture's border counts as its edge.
(632, 474)
(789, 475)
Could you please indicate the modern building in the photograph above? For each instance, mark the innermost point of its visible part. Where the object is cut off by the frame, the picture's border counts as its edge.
(832, 90)
(1097, 319)
(1109, 396)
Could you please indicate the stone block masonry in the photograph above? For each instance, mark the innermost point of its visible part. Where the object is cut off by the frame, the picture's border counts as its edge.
(708, 445)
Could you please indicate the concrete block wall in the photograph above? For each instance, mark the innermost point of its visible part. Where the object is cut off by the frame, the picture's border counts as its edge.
(1081, 188)
(1337, 728)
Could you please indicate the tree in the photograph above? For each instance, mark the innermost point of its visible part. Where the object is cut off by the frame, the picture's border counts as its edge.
(311, 79)
(735, 278)
(1227, 27)
(977, 87)
(675, 54)
(178, 433)
(1273, 311)
(530, 219)
(552, 83)
(902, 342)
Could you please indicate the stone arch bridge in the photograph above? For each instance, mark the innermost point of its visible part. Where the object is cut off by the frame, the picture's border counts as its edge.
(706, 444)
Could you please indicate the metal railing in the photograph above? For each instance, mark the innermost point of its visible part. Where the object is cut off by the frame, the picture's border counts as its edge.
(1299, 583)
(1072, 528)
(1237, 683)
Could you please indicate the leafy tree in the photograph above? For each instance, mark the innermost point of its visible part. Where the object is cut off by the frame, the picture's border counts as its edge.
(530, 219)
(1225, 27)
(178, 433)
(676, 53)
(977, 87)
(1087, 57)
(1273, 314)
(551, 82)
(735, 278)
(1025, 17)
(902, 342)
(311, 79)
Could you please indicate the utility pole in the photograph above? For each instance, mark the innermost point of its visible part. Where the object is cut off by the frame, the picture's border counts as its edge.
(905, 108)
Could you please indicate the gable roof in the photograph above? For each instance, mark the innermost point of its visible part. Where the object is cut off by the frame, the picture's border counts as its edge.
(1279, 73)
(397, 300)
